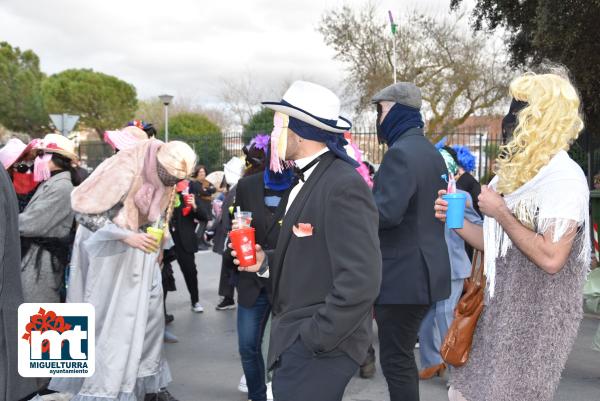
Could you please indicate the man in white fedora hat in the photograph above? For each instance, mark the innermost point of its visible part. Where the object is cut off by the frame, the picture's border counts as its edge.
(326, 270)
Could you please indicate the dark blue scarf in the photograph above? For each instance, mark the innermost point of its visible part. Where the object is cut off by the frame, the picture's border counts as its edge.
(335, 142)
(278, 181)
(399, 119)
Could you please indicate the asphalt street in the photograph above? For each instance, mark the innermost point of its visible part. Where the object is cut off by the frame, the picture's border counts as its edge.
(206, 366)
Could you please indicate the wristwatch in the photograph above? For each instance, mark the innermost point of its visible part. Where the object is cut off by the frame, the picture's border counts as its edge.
(263, 271)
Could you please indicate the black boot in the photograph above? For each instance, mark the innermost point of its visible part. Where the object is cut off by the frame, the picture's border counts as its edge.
(225, 304)
(162, 395)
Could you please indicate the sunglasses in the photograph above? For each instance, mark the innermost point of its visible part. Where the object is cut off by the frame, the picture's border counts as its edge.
(23, 168)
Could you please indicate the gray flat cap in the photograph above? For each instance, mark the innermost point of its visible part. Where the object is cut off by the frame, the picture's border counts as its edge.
(405, 93)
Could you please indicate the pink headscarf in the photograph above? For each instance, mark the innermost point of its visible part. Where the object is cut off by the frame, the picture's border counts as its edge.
(149, 196)
(354, 152)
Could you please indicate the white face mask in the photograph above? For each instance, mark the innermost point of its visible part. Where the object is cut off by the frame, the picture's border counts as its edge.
(279, 141)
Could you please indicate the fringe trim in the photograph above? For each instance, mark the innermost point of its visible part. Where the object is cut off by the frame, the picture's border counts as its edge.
(531, 213)
(143, 385)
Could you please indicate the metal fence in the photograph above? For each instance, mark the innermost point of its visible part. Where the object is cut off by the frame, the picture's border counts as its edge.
(92, 153)
(214, 150)
(485, 149)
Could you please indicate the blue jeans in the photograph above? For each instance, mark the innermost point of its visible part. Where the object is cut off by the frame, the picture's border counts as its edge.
(435, 326)
(251, 325)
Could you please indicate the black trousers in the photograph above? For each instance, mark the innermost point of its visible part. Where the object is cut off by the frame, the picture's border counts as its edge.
(187, 262)
(226, 287)
(200, 232)
(301, 376)
(398, 327)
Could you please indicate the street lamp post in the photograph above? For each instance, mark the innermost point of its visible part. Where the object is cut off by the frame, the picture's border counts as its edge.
(166, 100)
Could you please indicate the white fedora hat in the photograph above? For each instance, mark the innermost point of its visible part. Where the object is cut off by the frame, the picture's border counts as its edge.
(314, 104)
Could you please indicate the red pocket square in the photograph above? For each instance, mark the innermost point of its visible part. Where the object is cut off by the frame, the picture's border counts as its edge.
(303, 230)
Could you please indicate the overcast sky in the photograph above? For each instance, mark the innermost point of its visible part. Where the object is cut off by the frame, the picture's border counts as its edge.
(185, 47)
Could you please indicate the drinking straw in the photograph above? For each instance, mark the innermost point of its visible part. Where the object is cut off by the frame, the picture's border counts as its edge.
(451, 184)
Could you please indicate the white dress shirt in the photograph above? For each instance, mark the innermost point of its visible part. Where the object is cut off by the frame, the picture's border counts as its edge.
(301, 163)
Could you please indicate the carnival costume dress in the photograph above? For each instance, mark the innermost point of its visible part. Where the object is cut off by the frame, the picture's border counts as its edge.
(122, 197)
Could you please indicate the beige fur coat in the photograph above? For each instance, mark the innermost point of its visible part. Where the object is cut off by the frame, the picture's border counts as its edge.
(116, 180)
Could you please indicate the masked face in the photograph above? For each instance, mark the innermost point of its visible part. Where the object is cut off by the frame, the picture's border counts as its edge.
(510, 121)
(23, 167)
(279, 138)
(22, 177)
(165, 177)
(254, 157)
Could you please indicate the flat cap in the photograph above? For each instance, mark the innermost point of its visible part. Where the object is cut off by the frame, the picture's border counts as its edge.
(405, 93)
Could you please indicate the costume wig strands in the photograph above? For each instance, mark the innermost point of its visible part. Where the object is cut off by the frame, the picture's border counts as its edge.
(549, 124)
(279, 141)
(170, 208)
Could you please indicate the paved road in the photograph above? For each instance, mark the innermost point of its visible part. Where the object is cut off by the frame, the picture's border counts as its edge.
(206, 366)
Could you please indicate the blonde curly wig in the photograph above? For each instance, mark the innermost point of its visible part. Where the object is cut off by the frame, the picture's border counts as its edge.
(550, 123)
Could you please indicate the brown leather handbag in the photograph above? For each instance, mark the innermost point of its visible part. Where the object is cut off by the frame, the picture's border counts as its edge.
(457, 344)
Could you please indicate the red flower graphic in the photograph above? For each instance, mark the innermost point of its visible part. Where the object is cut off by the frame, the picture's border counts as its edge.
(45, 321)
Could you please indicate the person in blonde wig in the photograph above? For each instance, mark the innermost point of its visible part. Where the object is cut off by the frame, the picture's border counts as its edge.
(115, 268)
(537, 246)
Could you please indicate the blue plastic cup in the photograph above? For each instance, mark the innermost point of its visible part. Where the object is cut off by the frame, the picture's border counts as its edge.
(455, 215)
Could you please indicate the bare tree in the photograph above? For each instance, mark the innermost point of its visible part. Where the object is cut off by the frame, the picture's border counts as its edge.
(241, 96)
(152, 110)
(459, 73)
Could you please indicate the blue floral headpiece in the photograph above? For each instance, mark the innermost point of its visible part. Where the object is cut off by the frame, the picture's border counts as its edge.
(465, 158)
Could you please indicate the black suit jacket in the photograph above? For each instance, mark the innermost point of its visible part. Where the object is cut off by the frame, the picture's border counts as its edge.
(223, 225)
(183, 228)
(416, 267)
(324, 285)
(250, 197)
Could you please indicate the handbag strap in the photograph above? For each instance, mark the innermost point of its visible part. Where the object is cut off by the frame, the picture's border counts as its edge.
(477, 267)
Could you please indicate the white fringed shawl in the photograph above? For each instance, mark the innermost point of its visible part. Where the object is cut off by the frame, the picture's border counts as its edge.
(557, 199)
